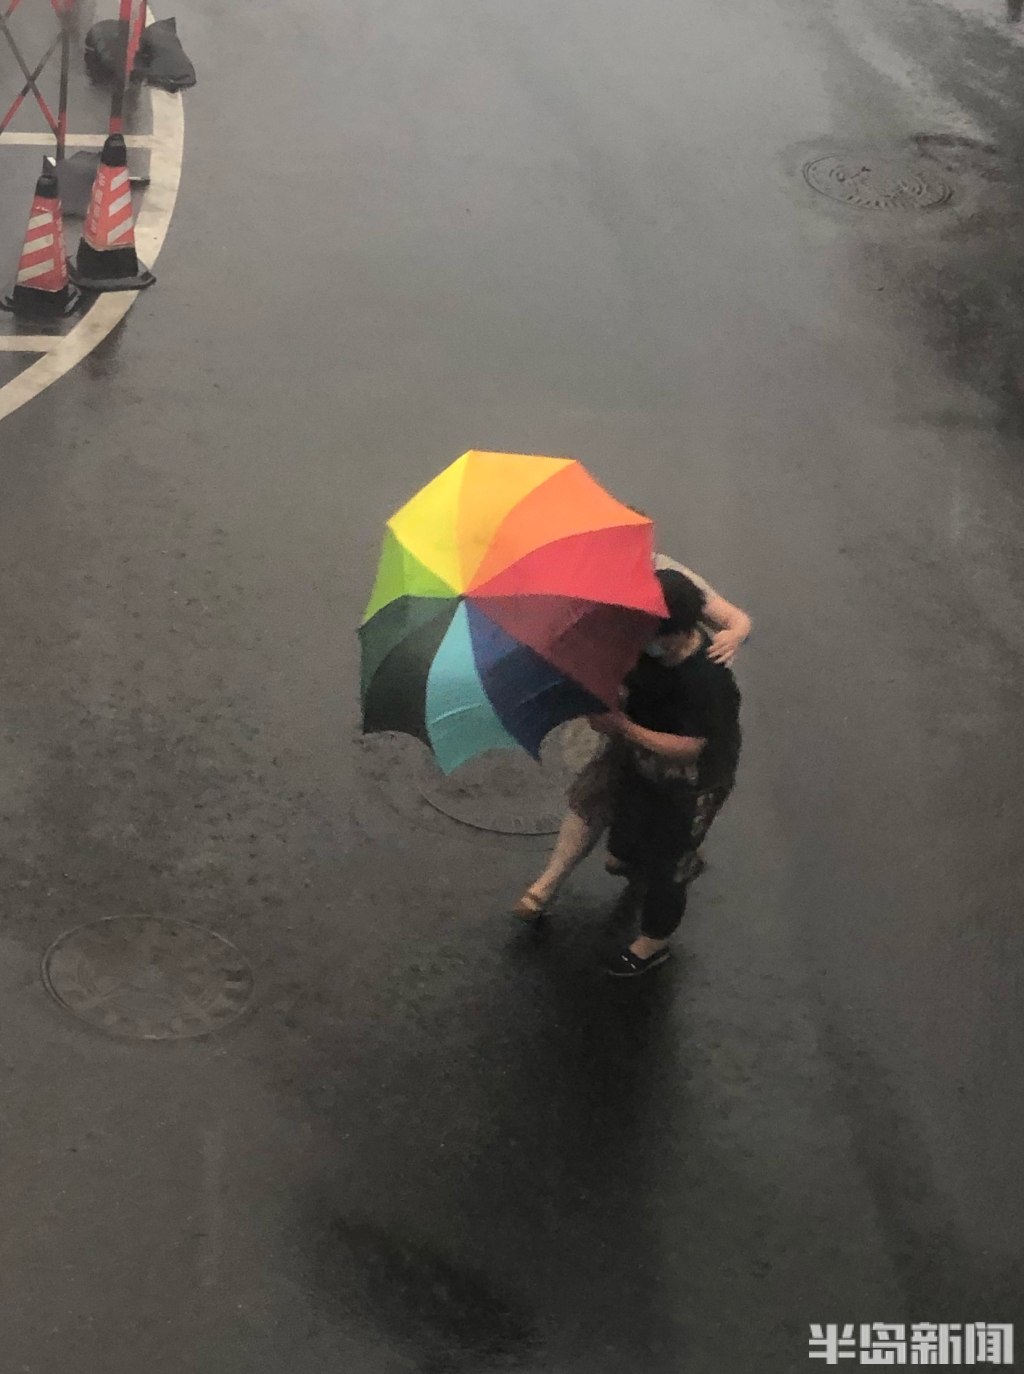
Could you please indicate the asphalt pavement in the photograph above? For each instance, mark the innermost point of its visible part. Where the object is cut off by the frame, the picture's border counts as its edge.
(758, 266)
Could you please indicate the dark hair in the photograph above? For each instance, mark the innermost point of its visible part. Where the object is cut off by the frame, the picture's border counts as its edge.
(685, 602)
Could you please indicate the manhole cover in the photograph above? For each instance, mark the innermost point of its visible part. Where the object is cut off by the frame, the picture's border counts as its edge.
(877, 183)
(148, 978)
(509, 793)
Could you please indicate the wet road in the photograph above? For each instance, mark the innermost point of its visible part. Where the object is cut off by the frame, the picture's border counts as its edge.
(409, 230)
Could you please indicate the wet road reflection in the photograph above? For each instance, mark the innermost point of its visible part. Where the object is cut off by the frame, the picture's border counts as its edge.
(543, 1113)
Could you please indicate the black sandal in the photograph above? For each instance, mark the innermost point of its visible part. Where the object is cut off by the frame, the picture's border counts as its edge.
(625, 964)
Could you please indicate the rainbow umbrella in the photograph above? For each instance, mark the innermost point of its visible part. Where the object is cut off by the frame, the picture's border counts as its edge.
(513, 593)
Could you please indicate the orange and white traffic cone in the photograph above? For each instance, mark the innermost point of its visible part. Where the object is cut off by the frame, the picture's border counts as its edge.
(106, 259)
(42, 289)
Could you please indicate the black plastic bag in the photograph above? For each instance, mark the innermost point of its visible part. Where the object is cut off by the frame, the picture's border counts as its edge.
(105, 49)
(160, 60)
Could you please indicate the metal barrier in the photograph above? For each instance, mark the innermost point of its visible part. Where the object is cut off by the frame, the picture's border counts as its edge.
(64, 10)
(132, 19)
(132, 22)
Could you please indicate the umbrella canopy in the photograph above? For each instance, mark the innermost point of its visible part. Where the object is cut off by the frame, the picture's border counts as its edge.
(513, 593)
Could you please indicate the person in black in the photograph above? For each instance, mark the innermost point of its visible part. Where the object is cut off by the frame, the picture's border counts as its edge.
(678, 746)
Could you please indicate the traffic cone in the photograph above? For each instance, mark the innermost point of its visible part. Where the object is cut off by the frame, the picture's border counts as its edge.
(107, 260)
(42, 289)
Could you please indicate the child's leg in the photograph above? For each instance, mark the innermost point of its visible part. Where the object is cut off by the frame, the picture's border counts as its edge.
(582, 827)
(576, 838)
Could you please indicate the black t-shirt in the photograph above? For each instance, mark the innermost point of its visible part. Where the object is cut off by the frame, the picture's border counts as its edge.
(696, 697)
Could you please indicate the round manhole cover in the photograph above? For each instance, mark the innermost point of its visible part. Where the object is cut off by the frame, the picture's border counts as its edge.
(148, 978)
(509, 793)
(877, 183)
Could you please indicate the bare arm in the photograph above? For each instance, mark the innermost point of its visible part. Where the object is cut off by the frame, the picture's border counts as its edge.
(678, 748)
(723, 615)
(732, 624)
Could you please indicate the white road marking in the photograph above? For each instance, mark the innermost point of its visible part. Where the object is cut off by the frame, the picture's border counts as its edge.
(16, 140)
(167, 145)
(30, 343)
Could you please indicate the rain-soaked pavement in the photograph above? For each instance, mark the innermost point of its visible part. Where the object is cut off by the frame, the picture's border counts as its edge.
(406, 230)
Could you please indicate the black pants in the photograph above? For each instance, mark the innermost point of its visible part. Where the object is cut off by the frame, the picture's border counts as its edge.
(656, 829)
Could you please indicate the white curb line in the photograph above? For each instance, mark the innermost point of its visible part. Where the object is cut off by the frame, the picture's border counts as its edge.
(167, 145)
